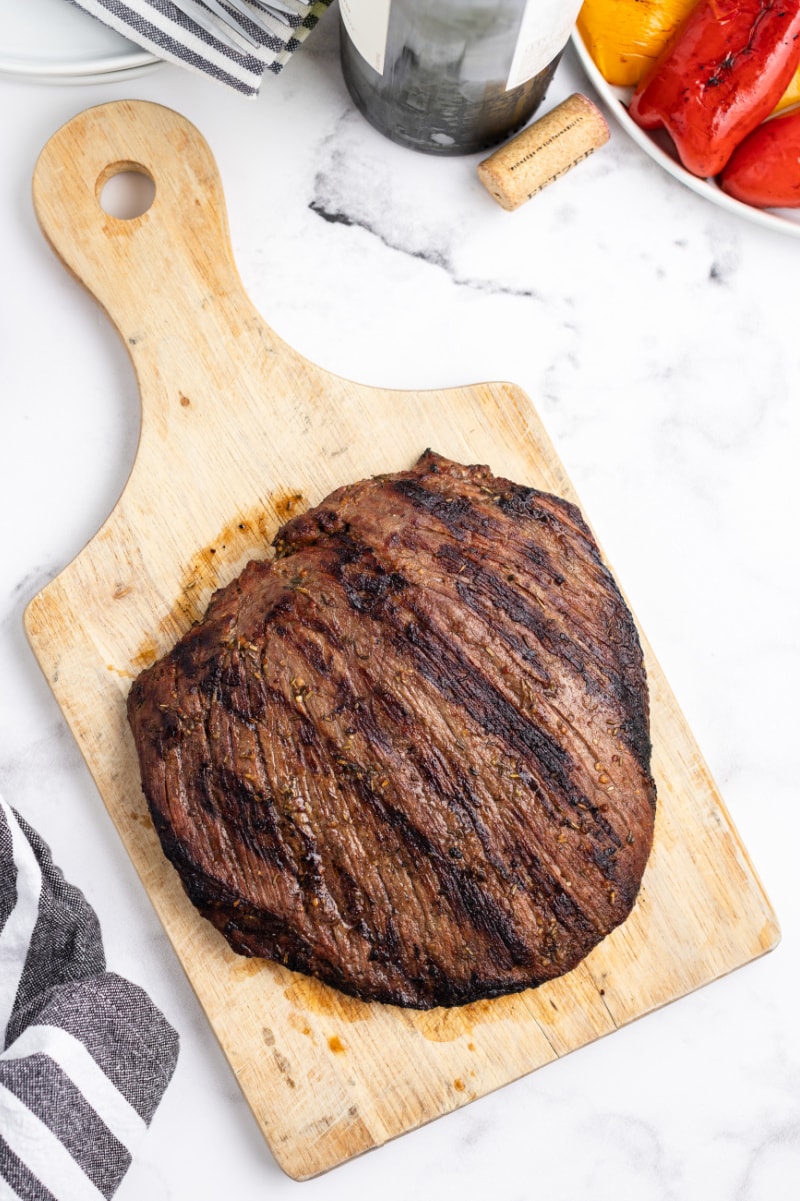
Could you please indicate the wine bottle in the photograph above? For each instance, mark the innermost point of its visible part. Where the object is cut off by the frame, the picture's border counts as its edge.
(451, 76)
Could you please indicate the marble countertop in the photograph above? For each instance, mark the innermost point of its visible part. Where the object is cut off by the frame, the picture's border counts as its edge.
(657, 336)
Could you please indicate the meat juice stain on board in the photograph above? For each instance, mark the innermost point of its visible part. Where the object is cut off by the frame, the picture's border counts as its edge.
(248, 536)
(445, 1025)
(309, 995)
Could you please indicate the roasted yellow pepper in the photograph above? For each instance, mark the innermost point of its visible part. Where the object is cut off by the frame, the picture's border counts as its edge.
(792, 93)
(625, 36)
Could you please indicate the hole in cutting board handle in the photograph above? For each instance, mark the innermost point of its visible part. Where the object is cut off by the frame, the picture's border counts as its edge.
(125, 191)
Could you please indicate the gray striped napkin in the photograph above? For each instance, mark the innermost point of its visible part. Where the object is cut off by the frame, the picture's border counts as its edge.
(190, 34)
(86, 1055)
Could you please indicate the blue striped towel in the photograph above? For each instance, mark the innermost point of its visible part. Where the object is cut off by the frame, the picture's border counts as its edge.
(184, 33)
(86, 1055)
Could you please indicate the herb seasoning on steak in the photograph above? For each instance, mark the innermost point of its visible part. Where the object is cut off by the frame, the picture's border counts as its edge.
(410, 755)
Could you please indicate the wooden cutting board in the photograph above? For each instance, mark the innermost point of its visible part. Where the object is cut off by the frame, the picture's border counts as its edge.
(239, 432)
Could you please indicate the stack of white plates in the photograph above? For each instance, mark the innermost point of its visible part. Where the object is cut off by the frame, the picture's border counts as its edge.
(52, 41)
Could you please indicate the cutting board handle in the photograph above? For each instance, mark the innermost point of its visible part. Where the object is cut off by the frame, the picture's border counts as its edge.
(179, 247)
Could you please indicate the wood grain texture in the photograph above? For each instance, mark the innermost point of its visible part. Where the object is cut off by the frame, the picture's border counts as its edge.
(239, 432)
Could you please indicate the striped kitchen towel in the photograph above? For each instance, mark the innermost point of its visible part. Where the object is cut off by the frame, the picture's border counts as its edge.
(86, 1055)
(188, 32)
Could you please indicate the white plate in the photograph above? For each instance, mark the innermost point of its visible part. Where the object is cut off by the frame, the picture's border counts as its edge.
(53, 41)
(660, 149)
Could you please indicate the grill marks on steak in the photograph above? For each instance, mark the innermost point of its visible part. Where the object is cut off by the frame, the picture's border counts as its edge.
(409, 756)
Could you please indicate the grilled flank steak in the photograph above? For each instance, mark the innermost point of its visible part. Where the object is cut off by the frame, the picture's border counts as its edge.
(410, 755)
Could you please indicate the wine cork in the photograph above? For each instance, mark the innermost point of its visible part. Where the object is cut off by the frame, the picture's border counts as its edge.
(544, 151)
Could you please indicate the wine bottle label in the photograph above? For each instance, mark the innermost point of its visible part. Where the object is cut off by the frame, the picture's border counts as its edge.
(367, 23)
(545, 30)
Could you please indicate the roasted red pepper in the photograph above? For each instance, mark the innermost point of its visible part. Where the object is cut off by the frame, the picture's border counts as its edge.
(764, 169)
(722, 74)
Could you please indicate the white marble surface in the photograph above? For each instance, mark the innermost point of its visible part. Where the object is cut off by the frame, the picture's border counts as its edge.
(658, 337)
